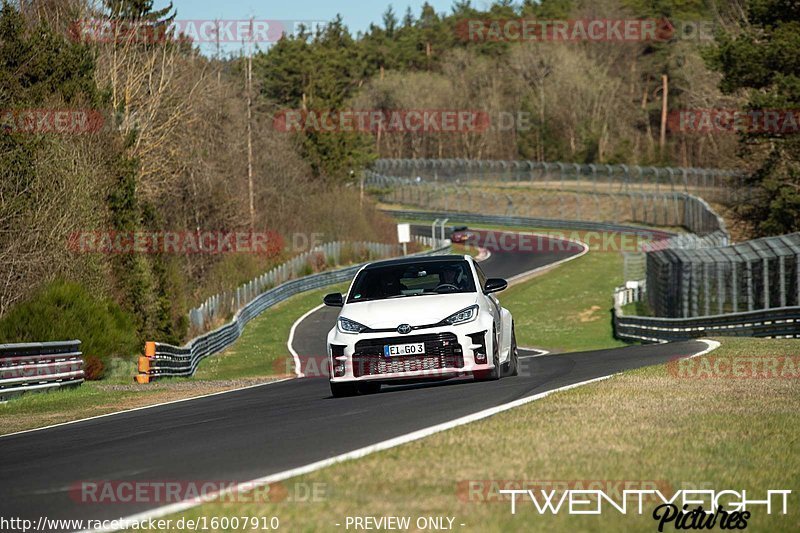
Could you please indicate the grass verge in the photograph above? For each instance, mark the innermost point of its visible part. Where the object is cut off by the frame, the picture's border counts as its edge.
(250, 361)
(645, 426)
(568, 309)
(545, 309)
(263, 342)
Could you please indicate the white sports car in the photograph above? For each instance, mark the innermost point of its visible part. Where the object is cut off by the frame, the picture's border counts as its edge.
(419, 319)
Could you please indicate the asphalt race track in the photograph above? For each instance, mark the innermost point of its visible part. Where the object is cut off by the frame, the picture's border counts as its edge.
(251, 433)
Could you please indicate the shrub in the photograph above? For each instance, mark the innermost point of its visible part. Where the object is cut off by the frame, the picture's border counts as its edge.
(65, 311)
(93, 367)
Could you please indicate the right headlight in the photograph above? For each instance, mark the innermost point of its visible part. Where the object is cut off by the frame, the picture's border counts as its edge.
(462, 317)
(350, 326)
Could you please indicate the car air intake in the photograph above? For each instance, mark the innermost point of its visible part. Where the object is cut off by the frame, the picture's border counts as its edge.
(337, 350)
(441, 351)
(480, 353)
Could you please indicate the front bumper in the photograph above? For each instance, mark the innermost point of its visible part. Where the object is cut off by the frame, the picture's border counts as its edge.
(450, 351)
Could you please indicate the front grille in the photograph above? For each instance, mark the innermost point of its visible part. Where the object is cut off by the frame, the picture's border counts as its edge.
(441, 351)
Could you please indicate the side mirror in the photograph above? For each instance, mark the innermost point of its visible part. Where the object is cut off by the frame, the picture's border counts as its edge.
(334, 300)
(495, 285)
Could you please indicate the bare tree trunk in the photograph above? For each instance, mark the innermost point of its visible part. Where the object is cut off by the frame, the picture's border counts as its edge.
(541, 120)
(664, 101)
(647, 124)
(250, 133)
(684, 153)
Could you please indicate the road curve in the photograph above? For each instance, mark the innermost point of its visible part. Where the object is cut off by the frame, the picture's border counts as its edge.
(251, 433)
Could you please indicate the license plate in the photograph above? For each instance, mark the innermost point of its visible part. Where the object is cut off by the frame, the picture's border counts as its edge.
(395, 350)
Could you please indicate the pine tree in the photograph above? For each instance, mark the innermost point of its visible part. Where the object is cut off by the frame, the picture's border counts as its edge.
(763, 62)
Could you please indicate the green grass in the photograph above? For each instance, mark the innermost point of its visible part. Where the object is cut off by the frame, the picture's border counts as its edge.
(251, 360)
(263, 342)
(545, 310)
(568, 309)
(646, 425)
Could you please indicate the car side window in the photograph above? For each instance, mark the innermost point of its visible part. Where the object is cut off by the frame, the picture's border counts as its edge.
(481, 276)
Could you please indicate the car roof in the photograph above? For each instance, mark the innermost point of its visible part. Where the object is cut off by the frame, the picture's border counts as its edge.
(415, 260)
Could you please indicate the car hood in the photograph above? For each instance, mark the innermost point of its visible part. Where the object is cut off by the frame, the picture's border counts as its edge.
(412, 310)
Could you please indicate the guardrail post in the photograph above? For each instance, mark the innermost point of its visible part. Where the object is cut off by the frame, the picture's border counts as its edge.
(765, 281)
(706, 288)
(735, 286)
(782, 278)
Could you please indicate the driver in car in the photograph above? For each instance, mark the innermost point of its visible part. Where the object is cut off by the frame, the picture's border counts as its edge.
(452, 277)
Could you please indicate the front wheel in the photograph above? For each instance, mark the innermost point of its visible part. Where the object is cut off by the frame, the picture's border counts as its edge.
(513, 363)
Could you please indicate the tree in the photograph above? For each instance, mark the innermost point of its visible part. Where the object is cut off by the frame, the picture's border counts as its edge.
(761, 62)
(138, 10)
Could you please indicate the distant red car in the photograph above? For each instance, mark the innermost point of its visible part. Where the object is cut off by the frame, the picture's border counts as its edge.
(463, 236)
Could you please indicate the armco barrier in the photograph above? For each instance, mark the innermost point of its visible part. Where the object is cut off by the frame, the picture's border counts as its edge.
(617, 206)
(39, 366)
(227, 303)
(527, 222)
(782, 322)
(712, 184)
(164, 360)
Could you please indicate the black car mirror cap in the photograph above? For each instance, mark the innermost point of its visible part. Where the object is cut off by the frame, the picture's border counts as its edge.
(334, 300)
(495, 285)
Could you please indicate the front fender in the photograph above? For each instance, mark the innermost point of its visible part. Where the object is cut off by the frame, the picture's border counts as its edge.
(507, 322)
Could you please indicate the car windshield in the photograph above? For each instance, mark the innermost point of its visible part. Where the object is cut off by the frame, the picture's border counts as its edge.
(413, 279)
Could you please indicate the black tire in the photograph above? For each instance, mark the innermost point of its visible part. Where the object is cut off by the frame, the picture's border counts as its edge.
(514, 363)
(343, 390)
(369, 387)
(493, 374)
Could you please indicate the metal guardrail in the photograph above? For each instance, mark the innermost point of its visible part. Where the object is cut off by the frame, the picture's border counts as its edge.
(227, 303)
(776, 322)
(528, 222)
(558, 201)
(695, 275)
(781, 322)
(710, 183)
(163, 360)
(39, 366)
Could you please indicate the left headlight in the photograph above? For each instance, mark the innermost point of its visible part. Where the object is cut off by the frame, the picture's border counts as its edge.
(462, 317)
(350, 326)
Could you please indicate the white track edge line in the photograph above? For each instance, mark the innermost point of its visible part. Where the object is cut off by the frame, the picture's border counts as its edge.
(354, 454)
(297, 366)
(524, 275)
(360, 452)
(484, 254)
(541, 351)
